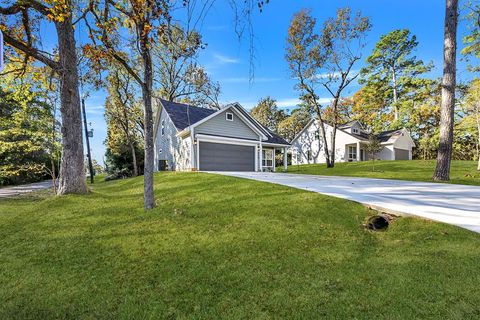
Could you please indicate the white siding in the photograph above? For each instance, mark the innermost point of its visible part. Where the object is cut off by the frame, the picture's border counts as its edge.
(170, 147)
(387, 153)
(404, 142)
(306, 142)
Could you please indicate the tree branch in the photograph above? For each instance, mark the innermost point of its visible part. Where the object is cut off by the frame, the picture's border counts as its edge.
(29, 50)
(13, 9)
(44, 10)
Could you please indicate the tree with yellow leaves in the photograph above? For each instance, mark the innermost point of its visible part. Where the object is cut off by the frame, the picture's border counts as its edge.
(21, 32)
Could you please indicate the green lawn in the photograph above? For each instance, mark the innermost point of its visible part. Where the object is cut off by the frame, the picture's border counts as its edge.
(221, 247)
(462, 172)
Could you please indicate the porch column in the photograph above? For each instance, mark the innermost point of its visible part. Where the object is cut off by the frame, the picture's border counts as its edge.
(285, 157)
(256, 158)
(273, 159)
(198, 155)
(260, 158)
(358, 150)
(192, 152)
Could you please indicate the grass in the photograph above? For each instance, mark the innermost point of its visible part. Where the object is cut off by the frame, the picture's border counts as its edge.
(462, 172)
(221, 247)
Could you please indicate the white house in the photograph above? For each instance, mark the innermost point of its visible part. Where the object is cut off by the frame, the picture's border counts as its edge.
(351, 138)
(193, 138)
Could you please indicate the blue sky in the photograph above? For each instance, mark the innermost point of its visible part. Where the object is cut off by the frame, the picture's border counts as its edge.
(227, 60)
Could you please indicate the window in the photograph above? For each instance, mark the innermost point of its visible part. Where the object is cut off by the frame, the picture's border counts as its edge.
(163, 127)
(352, 153)
(229, 116)
(355, 130)
(267, 157)
(317, 135)
(309, 155)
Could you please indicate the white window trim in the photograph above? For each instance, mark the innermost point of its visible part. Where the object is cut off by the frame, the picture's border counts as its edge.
(265, 160)
(227, 114)
(352, 153)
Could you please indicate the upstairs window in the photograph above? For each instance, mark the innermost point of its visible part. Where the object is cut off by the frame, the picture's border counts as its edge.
(355, 130)
(317, 135)
(163, 127)
(229, 116)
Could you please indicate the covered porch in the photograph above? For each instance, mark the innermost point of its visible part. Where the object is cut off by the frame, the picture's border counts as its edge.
(266, 154)
(356, 152)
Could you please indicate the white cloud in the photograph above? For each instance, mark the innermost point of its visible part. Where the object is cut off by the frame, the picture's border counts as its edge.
(324, 100)
(293, 102)
(289, 102)
(94, 110)
(334, 75)
(285, 103)
(222, 59)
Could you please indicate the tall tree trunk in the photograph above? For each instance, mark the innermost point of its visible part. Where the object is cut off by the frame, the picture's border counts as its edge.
(134, 159)
(149, 201)
(130, 141)
(334, 134)
(395, 94)
(72, 171)
(444, 156)
(324, 136)
(478, 141)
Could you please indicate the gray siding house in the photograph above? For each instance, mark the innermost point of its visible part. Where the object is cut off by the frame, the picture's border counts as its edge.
(193, 138)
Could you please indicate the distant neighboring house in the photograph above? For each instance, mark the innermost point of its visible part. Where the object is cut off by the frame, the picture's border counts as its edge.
(307, 146)
(193, 138)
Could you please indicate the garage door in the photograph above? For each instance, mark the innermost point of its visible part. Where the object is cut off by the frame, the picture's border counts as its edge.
(226, 157)
(401, 154)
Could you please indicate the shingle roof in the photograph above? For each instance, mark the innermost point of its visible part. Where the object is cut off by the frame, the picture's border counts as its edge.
(384, 136)
(184, 115)
(276, 139)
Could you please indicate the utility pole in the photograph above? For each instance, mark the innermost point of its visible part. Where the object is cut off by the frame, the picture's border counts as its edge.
(90, 166)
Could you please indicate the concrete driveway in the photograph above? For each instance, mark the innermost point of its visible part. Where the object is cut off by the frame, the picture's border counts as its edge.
(13, 191)
(449, 203)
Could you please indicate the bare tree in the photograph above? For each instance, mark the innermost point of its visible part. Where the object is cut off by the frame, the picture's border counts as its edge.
(179, 76)
(325, 61)
(122, 110)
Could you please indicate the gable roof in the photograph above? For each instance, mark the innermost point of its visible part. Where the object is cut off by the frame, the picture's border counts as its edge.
(383, 136)
(183, 116)
(350, 124)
